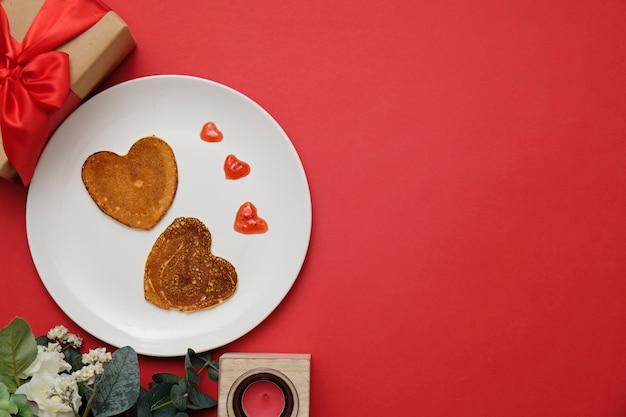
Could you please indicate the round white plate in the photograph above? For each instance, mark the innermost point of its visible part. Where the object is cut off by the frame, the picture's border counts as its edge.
(93, 266)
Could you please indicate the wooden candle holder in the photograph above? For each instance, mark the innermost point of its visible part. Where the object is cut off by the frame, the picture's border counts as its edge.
(291, 372)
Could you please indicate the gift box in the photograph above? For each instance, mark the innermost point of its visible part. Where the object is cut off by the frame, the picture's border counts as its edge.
(53, 55)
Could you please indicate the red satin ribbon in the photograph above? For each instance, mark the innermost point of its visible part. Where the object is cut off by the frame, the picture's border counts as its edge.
(35, 79)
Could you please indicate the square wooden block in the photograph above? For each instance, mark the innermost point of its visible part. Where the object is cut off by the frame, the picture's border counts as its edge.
(290, 372)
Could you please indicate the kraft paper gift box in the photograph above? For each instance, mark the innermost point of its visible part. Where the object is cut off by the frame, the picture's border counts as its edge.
(100, 42)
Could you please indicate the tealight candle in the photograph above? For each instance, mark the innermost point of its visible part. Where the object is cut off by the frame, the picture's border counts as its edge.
(263, 398)
(264, 385)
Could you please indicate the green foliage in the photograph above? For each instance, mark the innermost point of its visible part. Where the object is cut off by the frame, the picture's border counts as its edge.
(116, 392)
(17, 351)
(118, 388)
(202, 361)
(5, 401)
(170, 395)
(24, 407)
(14, 404)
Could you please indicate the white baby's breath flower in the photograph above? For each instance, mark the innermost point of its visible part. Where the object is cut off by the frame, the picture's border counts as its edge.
(63, 336)
(95, 360)
(56, 395)
(57, 333)
(73, 340)
(88, 373)
(98, 368)
(46, 361)
(96, 356)
(52, 347)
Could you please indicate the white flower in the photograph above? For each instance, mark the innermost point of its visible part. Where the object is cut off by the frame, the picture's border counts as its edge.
(96, 356)
(46, 361)
(95, 360)
(57, 333)
(62, 335)
(53, 347)
(87, 374)
(56, 395)
(72, 339)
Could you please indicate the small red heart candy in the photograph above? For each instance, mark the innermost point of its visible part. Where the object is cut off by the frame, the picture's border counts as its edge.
(235, 168)
(248, 222)
(210, 133)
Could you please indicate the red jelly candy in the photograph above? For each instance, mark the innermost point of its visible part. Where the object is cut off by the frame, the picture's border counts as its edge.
(211, 133)
(234, 168)
(247, 220)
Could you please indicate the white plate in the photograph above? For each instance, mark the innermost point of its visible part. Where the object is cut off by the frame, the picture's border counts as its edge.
(93, 266)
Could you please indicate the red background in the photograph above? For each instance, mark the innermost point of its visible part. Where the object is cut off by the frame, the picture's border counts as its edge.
(466, 161)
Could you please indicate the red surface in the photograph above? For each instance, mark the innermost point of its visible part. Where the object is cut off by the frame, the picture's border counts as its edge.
(467, 164)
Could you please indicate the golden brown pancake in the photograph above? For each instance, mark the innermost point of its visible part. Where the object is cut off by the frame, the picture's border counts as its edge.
(136, 189)
(183, 274)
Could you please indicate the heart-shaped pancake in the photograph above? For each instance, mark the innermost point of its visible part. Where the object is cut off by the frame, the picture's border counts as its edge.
(182, 273)
(136, 189)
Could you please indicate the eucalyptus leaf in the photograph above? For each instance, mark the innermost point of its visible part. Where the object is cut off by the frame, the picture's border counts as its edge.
(213, 366)
(213, 370)
(198, 360)
(42, 340)
(200, 400)
(203, 361)
(165, 377)
(18, 349)
(192, 376)
(74, 358)
(179, 397)
(118, 388)
(160, 393)
(189, 359)
(181, 414)
(167, 410)
(142, 407)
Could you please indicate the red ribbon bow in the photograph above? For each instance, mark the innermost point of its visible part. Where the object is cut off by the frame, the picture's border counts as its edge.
(35, 79)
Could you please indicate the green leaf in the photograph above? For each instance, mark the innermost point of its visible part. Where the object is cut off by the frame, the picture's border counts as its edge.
(165, 377)
(8, 406)
(4, 392)
(200, 400)
(160, 393)
(190, 359)
(118, 388)
(179, 397)
(192, 376)
(214, 370)
(74, 358)
(197, 360)
(5, 413)
(202, 361)
(18, 350)
(142, 407)
(42, 340)
(25, 407)
(166, 411)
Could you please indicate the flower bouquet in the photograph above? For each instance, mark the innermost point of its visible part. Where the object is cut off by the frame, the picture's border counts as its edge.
(48, 376)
